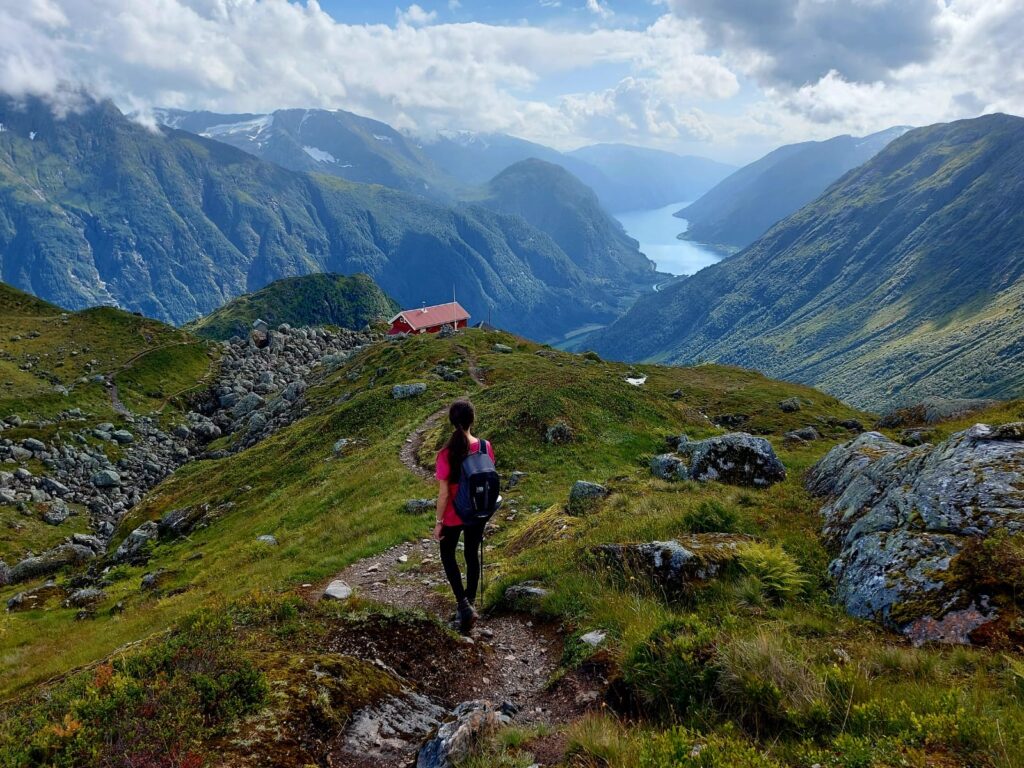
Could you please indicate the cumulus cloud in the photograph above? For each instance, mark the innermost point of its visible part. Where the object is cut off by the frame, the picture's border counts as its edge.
(796, 42)
(599, 9)
(258, 55)
(724, 72)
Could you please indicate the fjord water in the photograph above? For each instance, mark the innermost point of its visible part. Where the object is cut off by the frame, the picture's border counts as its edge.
(657, 231)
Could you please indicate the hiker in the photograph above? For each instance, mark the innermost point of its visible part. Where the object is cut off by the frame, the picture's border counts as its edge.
(462, 512)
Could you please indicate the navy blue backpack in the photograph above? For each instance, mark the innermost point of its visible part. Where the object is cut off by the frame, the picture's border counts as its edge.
(478, 497)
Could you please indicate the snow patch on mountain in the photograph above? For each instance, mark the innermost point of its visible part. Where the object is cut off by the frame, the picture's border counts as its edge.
(252, 127)
(319, 155)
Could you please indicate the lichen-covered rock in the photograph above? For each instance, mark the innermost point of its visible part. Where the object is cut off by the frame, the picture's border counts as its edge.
(790, 405)
(584, 496)
(50, 562)
(736, 458)
(678, 565)
(455, 740)
(900, 517)
(419, 506)
(405, 391)
(559, 433)
(668, 466)
(134, 543)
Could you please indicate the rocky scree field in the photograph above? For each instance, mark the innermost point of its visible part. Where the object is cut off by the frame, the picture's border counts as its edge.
(660, 535)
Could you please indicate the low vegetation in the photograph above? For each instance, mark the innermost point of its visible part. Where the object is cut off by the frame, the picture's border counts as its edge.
(757, 668)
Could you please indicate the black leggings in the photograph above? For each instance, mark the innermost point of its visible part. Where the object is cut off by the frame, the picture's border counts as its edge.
(449, 542)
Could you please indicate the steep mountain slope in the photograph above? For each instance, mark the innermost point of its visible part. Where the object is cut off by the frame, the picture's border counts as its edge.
(557, 203)
(649, 178)
(97, 209)
(742, 207)
(321, 299)
(904, 280)
(334, 142)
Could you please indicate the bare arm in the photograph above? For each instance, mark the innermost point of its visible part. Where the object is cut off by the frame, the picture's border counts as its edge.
(442, 503)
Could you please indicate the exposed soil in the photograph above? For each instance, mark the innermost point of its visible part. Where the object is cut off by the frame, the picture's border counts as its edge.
(509, 657)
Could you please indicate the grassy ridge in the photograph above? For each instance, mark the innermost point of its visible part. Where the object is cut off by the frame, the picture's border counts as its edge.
(760, 668)
(321, 299)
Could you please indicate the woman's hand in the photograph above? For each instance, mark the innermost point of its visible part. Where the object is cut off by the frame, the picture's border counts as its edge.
(437, 531)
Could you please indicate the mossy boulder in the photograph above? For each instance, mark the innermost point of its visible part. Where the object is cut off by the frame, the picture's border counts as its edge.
(900, 518)
(679, 565)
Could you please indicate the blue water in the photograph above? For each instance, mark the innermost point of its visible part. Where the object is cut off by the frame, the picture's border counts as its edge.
(656, 231)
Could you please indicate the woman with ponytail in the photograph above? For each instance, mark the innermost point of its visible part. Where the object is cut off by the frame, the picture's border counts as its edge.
(449, 525)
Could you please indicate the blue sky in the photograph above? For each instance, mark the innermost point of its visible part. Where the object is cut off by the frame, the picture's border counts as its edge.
(729, 79)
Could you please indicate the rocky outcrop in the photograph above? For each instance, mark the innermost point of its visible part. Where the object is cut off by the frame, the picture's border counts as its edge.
(903, 520)
(259, 389)
(736, 458)
(455, 740)
(676, 566)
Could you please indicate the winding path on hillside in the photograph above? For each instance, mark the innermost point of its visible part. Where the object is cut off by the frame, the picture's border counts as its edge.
(512, 659)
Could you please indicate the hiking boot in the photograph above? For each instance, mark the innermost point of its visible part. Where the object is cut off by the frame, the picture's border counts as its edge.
(467, 617)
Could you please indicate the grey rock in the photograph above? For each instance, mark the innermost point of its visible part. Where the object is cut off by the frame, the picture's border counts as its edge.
(267, 539)
(584, 496)
(56, 514)
(404, 391)
(803, 435)
(503, 348)
(514, 479)
(180, 522)
(294, 391)
(135, 542)
(82, 598)
(736, 458)
(123, 436)
(33, 445)
(206, 431)
(14, 420)
(340, 445)
(5, 574)
(474, 721)
(898, 517)
(594, 638)
(8, 497)
(50, 562)
(247, 405)
(338, 590)
(106, 478)
(419, 506)
(23, 474)
(679, 565)
(668, 466)
(790, 405)
(387, 731)
(525, 594)
(55, 487)
(182, 431)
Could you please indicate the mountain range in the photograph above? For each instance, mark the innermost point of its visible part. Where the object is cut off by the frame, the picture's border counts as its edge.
(905, 279)
(449, 165)
(97, 209)
(743, 206)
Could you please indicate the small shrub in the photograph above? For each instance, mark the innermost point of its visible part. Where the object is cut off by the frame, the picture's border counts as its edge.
(592, 356)
(777, 571)
(766, 685)
(684, 748)
(711, 517)
(671, 672)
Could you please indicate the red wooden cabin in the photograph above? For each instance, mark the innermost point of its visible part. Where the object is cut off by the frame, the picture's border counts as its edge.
(429, 319)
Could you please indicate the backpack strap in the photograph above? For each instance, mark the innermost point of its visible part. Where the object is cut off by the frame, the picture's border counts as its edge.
(481, 446)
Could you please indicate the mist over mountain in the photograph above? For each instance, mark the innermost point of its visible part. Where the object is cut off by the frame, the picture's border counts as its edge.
(905, 279)
(747, 203)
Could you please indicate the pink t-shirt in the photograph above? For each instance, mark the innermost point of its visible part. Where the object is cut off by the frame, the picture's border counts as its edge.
(450, 516)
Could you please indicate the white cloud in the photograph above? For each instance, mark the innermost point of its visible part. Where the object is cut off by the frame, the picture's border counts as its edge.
(599, 9)
(698, 76)
(416, 16)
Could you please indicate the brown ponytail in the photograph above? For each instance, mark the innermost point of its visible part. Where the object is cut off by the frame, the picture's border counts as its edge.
(461, 415)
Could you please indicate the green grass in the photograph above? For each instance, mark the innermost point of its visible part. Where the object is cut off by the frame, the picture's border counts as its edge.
(842, 687)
